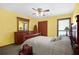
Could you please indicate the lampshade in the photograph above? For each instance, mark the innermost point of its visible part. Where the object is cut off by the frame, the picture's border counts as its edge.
(66, 28)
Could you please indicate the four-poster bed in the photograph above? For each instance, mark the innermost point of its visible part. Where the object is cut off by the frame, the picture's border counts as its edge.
(74, 37)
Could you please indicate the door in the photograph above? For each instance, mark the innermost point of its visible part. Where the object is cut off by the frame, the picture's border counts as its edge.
(42, 28)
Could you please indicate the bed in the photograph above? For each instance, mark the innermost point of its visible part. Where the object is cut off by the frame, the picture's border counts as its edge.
(43, 45)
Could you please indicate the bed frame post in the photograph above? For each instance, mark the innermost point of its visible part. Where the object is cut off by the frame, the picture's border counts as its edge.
(77, 29)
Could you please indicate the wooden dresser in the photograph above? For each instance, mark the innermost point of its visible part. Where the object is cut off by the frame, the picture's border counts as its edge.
(20, 37)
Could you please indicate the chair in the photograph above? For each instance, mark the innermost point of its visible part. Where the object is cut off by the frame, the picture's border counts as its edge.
(26, 50)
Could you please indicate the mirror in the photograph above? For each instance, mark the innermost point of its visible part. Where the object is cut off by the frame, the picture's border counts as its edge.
(22, 24)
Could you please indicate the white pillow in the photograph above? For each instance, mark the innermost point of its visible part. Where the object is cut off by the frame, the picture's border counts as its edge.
(59, 38)
(55, 39)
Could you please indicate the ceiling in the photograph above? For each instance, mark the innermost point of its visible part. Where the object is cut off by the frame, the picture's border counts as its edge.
(26, 8)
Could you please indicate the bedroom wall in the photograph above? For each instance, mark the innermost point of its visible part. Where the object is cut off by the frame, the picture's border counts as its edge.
(75, 12)
(32, 23)
(52, 23)
(8, 25)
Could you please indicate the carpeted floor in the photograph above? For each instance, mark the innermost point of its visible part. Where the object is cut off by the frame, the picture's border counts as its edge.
(10, 50)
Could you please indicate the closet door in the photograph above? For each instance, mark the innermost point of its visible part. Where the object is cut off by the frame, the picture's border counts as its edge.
(42, 28)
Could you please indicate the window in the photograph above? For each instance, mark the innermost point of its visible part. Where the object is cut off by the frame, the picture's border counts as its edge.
(63, 26)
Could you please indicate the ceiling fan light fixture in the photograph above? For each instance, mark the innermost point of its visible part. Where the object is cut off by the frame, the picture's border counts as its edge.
(40, 11)
(39, 14)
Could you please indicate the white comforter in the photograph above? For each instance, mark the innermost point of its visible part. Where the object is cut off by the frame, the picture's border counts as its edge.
(44, 46)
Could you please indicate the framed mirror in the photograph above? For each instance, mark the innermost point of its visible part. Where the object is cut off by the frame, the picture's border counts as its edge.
(22, 24)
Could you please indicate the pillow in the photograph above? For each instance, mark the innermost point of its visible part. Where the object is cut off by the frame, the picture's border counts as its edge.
(59, 38)
(56, 39)
(53, 39)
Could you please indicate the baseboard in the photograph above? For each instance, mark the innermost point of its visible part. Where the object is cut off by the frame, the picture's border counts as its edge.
(6, 45)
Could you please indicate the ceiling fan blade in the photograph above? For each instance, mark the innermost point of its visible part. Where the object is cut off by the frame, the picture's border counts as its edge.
(34, 13)
(46, 10)
(34, 9)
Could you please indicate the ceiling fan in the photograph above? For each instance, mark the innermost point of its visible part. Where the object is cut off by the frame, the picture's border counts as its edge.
(40, 11)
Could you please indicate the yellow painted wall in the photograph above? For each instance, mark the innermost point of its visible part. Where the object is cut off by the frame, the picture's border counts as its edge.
(52, 21)
(51, 25)
(8, 25)
(75, 12)
(32, 23)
